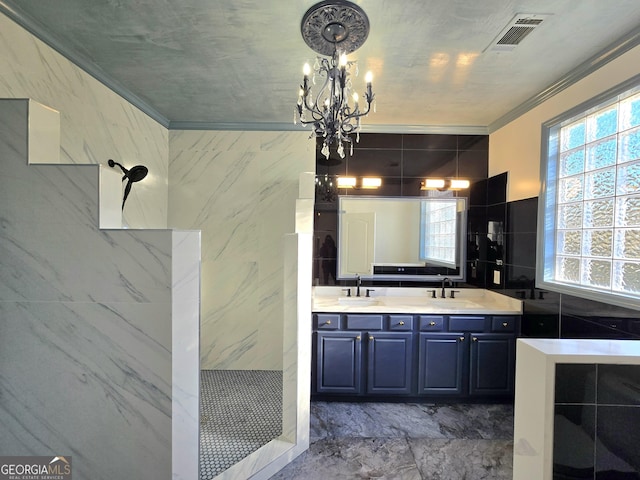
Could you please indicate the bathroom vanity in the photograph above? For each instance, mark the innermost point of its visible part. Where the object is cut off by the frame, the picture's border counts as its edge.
(403, 342)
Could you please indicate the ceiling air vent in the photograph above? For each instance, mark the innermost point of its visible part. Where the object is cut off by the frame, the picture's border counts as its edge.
(516, 30)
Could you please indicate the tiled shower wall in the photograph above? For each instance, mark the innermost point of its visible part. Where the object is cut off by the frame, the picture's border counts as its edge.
(240, 189)
(96, 124)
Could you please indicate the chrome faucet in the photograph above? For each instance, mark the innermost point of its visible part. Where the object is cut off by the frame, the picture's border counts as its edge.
(444, 281)
(358, 284)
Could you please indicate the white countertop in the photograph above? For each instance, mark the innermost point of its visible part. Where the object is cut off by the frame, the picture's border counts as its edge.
(585, 350)
(414, 301)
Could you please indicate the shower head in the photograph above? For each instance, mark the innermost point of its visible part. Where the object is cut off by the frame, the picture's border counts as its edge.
(134, 174)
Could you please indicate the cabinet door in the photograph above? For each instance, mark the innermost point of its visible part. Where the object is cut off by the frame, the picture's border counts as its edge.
(492, 364)
(339, 362)
(389, 359)
(441, 363)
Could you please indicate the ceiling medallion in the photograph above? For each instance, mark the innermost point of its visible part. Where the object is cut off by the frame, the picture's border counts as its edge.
(333, 28)
(335, 24)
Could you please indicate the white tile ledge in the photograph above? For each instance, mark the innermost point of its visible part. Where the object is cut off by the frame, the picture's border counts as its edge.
(536, 360)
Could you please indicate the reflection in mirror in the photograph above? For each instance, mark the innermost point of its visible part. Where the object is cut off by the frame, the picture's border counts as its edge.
(401, 238)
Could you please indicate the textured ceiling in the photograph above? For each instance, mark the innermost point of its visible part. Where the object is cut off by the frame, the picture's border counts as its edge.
(234, 63)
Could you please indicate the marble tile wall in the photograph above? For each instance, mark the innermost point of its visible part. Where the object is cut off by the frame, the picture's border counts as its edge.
(240, 190)
(95, 123)
(85, 330)
(185, 354)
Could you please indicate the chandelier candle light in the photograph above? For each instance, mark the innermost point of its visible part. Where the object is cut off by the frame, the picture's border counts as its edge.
(333, 28)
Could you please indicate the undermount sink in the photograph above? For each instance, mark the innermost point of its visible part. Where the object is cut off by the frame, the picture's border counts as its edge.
(362, 301)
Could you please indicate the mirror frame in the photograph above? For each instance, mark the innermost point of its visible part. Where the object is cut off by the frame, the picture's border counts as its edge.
(461, 237)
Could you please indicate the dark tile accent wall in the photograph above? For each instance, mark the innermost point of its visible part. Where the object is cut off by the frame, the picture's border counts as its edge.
(403, 161)
(513, 255)
(502, 236)
(597, 422)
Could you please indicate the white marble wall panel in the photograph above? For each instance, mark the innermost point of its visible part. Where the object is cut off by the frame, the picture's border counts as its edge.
(95, 123)
(110, 198)
(88, 380)
(86, 339)
(294, 440)
(185, 313)
(240, 189)
(44, 122)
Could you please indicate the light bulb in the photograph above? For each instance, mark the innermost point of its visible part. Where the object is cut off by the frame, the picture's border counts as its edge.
(355, 97)
(368, 77)
(306, 70)
(343, 60)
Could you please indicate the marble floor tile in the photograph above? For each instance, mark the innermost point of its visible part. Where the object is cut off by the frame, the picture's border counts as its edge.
(357, 458)
(406, 441)
(336, 419)
(457, 459)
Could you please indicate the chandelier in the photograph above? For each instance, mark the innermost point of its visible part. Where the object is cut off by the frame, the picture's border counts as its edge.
(333, 28)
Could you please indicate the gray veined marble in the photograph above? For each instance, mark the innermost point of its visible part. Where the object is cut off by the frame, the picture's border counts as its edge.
(406, 441)
(88, 349)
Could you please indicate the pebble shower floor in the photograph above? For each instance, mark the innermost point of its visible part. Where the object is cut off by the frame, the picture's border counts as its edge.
(240, 411)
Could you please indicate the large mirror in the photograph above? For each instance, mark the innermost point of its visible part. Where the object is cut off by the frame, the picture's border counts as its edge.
(401, 238)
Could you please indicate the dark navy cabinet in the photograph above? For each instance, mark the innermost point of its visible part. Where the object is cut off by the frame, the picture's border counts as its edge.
(389, 362)
(362, 355)
(492, 364)
(441, 363)
(343, 344)
(339, 362)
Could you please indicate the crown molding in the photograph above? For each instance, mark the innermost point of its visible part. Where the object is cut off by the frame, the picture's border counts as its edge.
(366, 128)
(613, 51)
(11, 10)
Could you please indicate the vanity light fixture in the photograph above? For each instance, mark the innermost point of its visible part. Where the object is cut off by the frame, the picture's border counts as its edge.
(444, 184)
(346, 182)
(363, 182)
(333, 28)
(371, 182)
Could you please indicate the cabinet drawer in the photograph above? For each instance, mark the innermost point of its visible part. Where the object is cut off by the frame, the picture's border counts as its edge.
(364, 322)
(466, 324)
(400, 322)
(432, 323)
(327, 321)
(503, 324)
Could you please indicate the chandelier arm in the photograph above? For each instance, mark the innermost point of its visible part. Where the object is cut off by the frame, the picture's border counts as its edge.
(358, 114)
(314, 111)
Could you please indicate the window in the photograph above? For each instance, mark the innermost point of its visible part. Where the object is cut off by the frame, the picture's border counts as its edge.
(590, 206)
(438, 220)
